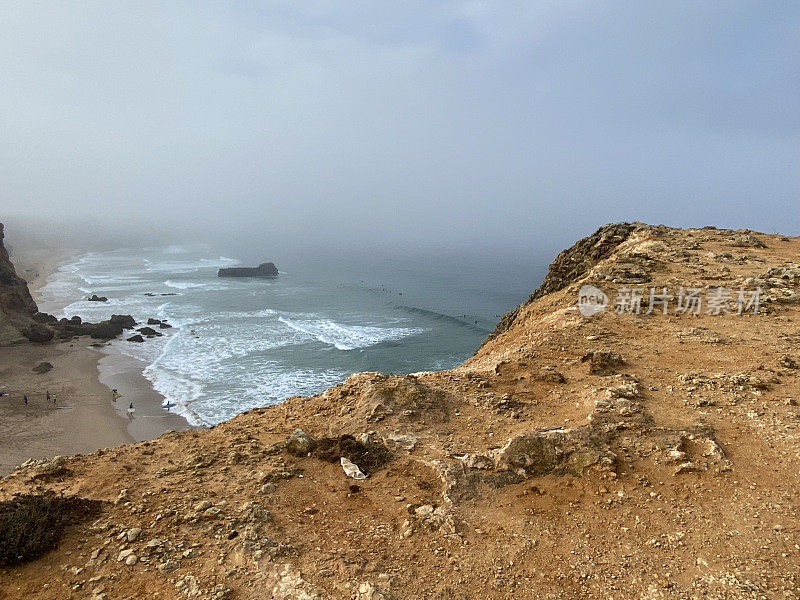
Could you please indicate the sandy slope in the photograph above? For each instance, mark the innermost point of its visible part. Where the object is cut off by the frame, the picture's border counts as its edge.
(541, 468)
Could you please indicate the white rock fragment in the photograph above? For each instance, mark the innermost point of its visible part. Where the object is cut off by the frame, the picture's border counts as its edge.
(351, 469)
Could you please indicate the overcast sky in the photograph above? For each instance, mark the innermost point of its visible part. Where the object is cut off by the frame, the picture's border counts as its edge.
(487, 123)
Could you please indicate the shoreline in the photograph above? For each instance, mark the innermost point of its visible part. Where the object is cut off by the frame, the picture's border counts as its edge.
(125, 374)
(88, 417)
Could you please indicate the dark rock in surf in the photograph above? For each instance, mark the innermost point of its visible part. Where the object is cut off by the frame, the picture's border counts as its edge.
(136, 338)
(103, 330)
(267, 269)
(149, 332)
(96, 298)
(125, 321)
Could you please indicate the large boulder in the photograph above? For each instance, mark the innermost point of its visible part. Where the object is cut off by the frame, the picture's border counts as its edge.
(38, 333)
(41, 317)
(126, 321)
(105, 330)
(557, 451)
(300, 443)
(603, 362)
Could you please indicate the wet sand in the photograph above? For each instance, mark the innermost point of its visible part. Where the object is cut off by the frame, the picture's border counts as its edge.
(149, 419)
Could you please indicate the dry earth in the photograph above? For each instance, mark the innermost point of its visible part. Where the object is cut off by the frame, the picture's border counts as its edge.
(612, 456)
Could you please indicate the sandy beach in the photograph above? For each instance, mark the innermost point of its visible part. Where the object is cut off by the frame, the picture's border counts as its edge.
(86, 416)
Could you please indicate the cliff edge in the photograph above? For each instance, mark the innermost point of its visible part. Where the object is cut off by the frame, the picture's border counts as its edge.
(631, 431)
(16, 304)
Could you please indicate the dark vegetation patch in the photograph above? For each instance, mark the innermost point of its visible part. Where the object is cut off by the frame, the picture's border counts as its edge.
(31, 525)
(56, 473)
(369, 457)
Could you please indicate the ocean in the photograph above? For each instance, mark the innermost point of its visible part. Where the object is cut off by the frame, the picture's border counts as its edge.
(237, 343)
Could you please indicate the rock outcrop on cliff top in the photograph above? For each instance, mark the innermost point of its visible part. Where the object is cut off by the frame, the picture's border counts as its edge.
(649, 450)
(16, 304)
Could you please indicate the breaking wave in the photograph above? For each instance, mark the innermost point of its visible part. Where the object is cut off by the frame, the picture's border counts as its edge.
(348, 337)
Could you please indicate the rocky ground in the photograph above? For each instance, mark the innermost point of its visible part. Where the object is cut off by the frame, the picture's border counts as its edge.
(610, 456)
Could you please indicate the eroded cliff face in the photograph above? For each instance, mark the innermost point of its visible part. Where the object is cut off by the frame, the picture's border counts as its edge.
(629, 454)
(572, 263)
(16, 304)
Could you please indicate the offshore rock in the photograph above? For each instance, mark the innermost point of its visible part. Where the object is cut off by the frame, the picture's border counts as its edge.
(266, 269)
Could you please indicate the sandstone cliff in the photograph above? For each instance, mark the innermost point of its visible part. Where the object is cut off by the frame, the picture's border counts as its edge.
(631, 454)
(16, 304)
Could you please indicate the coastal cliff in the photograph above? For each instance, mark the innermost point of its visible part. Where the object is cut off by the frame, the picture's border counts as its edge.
(16, 304)
(644, 449)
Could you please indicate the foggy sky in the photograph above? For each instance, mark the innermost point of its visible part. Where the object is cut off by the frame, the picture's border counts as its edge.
(374, 124)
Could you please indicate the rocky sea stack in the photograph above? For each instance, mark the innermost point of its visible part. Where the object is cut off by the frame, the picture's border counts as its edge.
(266, 269)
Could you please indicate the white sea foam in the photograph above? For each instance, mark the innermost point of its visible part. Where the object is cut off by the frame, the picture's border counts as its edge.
(348, 337)
(267, 385)
(183, 285)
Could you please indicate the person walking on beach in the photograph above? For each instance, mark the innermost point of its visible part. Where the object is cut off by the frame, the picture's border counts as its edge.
(55, 401)
(48, 395)
(25, 398)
